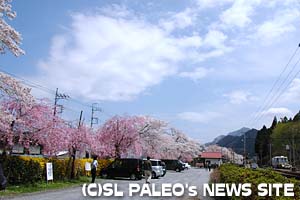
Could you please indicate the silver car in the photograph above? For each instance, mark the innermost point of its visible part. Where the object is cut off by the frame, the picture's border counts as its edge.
(157, 169)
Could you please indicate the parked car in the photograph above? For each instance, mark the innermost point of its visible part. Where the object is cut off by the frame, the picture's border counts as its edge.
(157, 169)
(183, 164)
(254, 165)
(173, 165)
(124, 168)
(163, 164)
(187, 166)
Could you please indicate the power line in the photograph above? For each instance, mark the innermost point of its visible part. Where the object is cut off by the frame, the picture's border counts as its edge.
(270, 97)
(283, 90)
(29, 83)
(38, 86)
(266, 100)
(41, 87)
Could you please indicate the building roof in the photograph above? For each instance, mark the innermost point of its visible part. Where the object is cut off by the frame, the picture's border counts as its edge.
(216, 155)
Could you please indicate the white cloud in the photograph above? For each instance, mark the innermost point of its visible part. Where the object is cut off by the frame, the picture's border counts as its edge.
(293, 92)
(239, 14)
(180, 20)
(107, 57)
(191, 41)
(116, 10)
(117, 55)
(274, 3)
(212, 3)
(198, 117)
(215, 39)
(281, 24)
(239, 96)
(278, 112)
(196, 74)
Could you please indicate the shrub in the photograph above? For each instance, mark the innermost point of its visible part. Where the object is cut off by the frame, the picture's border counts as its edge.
(26, 169)
(233, 174)
(21, 171)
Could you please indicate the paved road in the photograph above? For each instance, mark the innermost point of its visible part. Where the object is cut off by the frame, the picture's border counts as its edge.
(195, 177)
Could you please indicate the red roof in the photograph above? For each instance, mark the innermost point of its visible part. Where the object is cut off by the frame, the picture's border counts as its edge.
(217, 155)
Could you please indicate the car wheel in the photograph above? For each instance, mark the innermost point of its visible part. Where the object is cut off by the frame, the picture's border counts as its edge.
(132, 177)
(153, 175)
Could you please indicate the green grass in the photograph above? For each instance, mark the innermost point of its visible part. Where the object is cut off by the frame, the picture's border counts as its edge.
(13, 190)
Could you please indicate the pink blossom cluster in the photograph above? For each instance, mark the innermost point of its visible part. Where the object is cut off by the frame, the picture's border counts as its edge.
(9, 37)
(27, 121)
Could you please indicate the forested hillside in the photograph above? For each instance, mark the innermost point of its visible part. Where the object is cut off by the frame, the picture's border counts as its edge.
(282, 138)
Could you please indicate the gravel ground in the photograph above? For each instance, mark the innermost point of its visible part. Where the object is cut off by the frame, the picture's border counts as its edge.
(194, 177)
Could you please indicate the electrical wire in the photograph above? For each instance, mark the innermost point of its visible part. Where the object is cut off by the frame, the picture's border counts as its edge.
(275, 92)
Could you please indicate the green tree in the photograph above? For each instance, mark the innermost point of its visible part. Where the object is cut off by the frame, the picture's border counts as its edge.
(262, 142)
(296, 117)
(274, 123)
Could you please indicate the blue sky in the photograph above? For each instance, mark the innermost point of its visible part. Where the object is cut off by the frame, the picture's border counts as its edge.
(204, 66)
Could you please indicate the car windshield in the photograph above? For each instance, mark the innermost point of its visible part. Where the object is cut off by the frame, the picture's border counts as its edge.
(155, 163)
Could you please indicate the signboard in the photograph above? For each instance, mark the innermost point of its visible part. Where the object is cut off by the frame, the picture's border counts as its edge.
(18, 149)
(49, 171)
(35, 150)
(88, 166)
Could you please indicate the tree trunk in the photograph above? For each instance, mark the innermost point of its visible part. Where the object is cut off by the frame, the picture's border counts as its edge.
(117, 151)
(73, 163)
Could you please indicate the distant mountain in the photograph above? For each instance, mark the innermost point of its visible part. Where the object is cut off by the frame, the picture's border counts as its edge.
(217, 139)
(233, 133)
(239, 132)
(236, 141)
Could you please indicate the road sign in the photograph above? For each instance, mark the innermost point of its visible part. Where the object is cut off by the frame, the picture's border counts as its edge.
(87, 166)
(49, 170)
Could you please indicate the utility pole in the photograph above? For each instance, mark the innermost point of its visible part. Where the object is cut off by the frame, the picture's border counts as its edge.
(294, 162)
(245, 161)
(57, 97)
(95, 108)
(270, 146)
(80, 119)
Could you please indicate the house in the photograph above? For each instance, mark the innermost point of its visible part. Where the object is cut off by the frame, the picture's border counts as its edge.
(214, 158)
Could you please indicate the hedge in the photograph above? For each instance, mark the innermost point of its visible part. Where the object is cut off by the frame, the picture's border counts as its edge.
(25, 169)
(229, 173)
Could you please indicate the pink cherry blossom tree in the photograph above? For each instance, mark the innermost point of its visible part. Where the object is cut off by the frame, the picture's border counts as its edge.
(187, 149)
(15, 100)
(80, 139)
(151, 136)
(27, 121)
(36, 125)
(161, 141)
(51, 132)
(120, 137)
(9, 37)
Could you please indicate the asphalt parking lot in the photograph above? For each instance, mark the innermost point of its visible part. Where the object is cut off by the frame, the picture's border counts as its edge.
(191, 177)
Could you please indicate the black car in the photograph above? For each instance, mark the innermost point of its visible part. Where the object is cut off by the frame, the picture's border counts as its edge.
(174, 165)
(124, 168)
